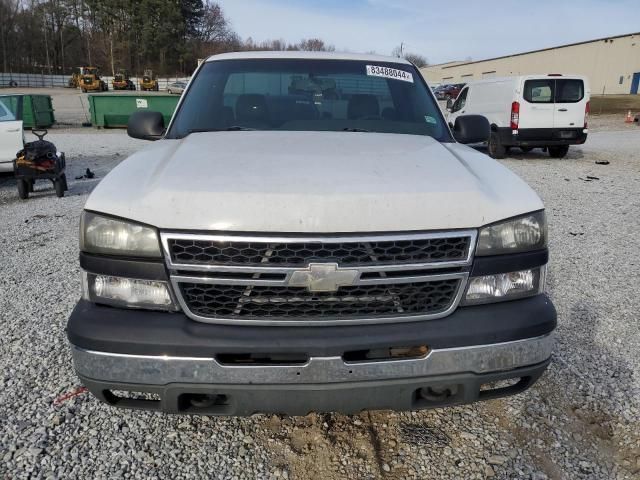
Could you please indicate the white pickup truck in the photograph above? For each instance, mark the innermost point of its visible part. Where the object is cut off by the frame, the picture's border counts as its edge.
(307, 234)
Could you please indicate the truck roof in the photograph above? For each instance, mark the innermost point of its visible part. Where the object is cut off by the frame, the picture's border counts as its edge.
(307, 56)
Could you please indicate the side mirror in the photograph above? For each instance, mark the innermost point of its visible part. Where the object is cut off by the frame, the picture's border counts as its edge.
(471, 129)
(146, 125)
(449, 104)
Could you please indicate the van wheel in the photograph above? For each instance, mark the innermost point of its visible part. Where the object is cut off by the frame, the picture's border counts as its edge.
(559, 152)
(496, 149)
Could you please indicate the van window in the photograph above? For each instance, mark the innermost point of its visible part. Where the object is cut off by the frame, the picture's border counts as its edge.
(538, 91)
(9, 108)
(550, 91)
(569, 90)
(460, 101)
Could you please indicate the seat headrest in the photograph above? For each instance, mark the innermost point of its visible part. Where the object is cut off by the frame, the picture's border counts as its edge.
(252, 107)
(363, 105)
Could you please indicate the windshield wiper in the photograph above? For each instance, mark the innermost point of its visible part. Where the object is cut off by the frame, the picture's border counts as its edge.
(353, 129)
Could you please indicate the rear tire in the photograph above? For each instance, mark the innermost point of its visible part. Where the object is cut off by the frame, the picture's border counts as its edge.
(496, 149)
(559, 151)
(23, 189)
(58, 184)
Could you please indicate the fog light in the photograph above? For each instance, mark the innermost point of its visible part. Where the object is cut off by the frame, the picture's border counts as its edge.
(505, 286)
(127, 292)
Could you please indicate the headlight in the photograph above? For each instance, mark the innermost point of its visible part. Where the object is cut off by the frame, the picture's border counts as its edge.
(110, 236)
(127, 292)
(505, 286)
(521, 234)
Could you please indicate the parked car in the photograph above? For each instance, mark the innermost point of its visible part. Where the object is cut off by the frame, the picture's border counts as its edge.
(445, 92)
(11, 132)
(548, 111)
(307, 234)
(176, 87)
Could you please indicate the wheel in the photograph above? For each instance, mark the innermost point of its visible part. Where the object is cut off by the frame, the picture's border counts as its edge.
(58, 184)
(23, 189)
(526, 149)
(496, 149)
(559, 151)
(63, 177)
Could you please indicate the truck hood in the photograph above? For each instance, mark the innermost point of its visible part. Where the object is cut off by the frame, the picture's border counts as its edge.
(312, 182)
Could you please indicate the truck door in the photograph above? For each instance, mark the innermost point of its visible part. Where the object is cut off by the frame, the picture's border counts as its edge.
(537, 109)
(11, 136)
(570, 103)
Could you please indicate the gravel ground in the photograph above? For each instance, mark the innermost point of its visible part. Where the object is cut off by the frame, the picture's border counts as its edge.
(580, 421)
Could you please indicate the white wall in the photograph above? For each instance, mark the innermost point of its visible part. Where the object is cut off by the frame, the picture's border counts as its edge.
(602, 61)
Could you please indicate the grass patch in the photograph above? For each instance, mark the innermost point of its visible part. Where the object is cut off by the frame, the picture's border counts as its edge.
(615, 104)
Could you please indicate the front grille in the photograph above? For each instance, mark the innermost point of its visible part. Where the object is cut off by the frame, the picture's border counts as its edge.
(347, 253)
(362, 301)
(318, 280)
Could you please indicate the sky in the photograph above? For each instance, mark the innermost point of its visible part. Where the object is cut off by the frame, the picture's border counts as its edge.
(441, 30)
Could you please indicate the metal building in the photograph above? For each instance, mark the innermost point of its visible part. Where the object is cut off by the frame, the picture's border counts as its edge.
(612, 65)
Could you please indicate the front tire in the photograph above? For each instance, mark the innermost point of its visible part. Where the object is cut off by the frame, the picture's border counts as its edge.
(496, 149)
(559, 151)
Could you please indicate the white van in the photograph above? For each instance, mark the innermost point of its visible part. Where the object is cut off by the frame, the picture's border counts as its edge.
(11, 132)
(548, 111)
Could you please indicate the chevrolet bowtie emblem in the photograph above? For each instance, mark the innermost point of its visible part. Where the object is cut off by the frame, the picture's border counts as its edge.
(323, 277)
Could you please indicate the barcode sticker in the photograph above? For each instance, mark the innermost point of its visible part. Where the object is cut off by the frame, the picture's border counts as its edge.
(386, 72)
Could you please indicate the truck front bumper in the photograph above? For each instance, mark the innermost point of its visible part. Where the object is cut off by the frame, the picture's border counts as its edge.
(167, 362)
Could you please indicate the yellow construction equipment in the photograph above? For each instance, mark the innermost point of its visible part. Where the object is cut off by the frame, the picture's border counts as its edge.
(90, 80)
(149, 82)
(74, 81)
(122, 81)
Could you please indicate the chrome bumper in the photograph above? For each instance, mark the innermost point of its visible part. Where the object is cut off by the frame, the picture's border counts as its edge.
(163, 370)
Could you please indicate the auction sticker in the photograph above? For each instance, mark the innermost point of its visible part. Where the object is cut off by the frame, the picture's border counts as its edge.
(386, 72)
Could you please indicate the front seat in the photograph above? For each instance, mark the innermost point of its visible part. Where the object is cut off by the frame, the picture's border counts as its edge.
(252, 110)
(363, 105)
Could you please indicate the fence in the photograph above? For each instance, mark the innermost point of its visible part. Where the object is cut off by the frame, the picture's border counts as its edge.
(34, 80)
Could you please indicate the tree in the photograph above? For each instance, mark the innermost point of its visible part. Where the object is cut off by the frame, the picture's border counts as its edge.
(314, 45)
(415, 58)
(418, 60)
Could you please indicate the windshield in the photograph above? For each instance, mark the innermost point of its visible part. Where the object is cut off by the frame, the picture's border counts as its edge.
(309, 95)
